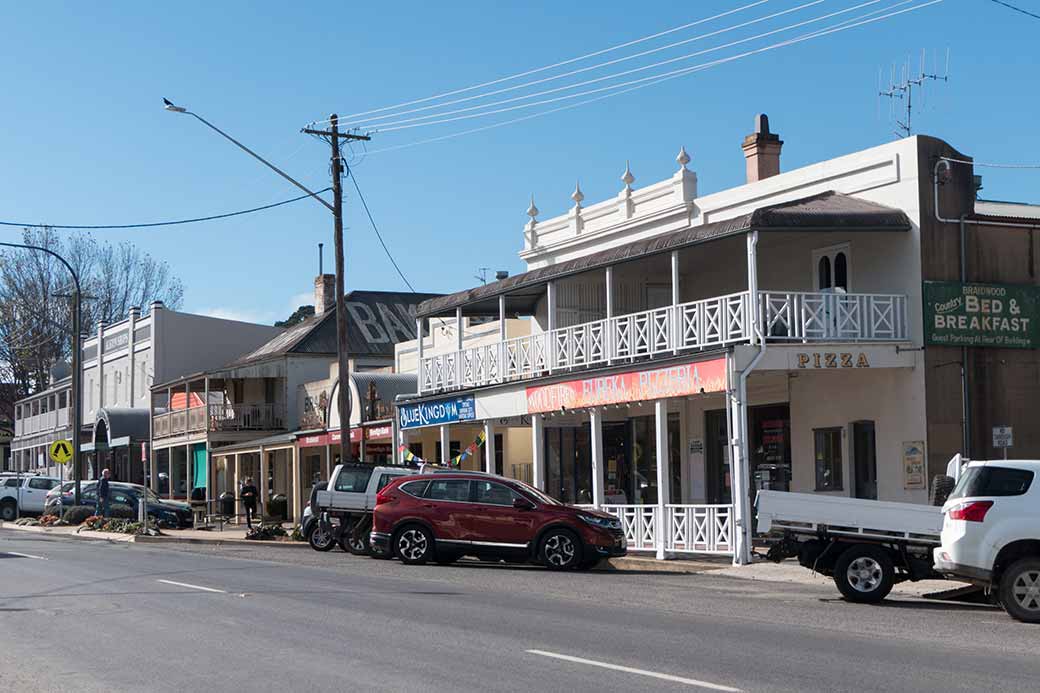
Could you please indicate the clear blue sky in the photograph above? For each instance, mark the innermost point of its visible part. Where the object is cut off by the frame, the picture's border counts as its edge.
(85, 140)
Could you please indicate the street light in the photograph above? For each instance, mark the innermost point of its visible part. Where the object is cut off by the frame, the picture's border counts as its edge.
(77, 372)
(337, 213)
(170, 106)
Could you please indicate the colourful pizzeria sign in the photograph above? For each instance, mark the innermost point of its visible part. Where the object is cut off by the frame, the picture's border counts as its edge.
(633, 386)
(982, 315)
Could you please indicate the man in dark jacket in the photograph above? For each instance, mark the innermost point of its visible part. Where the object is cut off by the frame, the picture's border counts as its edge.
(249, 494)
(101, 507)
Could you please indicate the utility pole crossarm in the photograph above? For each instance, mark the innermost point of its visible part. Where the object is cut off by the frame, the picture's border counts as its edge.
(342, 135)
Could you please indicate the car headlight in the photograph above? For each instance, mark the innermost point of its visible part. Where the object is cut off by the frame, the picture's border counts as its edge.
(601, 522)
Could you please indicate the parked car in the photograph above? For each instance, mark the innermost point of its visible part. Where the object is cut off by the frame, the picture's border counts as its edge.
(170, 513)
(24, 494)
(991, 533)
(444, 517)
(347, 498)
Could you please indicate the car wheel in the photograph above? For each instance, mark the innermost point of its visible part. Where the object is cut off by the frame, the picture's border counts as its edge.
(1020, 590)
(8, 511)
(320, 539)
(560, 550)
(413, 544)
(864, 574)
(357, 546)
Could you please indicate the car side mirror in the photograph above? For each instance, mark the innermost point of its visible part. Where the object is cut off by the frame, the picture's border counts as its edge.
(523, 504)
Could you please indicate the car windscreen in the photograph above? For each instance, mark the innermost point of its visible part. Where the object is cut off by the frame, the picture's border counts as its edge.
(353, 479)
(992, 481)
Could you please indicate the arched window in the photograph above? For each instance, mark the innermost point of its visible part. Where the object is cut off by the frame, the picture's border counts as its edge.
(825, 272)
(841, 271)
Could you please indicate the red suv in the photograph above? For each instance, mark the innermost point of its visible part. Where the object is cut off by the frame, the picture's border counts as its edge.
(444, 517)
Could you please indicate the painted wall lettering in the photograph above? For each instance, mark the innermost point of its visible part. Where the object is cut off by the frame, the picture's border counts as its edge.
(830, 359)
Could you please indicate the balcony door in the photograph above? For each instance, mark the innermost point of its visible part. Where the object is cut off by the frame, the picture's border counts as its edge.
(832, 269)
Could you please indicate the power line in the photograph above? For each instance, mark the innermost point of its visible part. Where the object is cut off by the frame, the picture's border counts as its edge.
(350, 172)
(724, 30)
(1017, 9)
(554, 65)
(409, 123)
(162, 223)
(841, 26)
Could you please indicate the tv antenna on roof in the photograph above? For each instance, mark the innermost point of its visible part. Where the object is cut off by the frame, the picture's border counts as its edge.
(482, 274)
(901, 85)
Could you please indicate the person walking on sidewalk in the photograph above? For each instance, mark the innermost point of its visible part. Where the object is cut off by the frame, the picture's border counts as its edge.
(102, 494)
(248, 495)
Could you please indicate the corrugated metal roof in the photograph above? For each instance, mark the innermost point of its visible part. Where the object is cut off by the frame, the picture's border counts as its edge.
(828, 211)
(376, 321)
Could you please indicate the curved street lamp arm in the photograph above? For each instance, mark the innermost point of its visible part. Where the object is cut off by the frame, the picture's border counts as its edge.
(259, 158)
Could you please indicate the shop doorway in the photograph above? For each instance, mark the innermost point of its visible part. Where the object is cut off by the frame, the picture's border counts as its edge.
(864, 460)
(716, 457)
(769, 447)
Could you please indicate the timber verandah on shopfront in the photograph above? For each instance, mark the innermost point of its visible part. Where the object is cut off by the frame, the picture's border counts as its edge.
(684, 316)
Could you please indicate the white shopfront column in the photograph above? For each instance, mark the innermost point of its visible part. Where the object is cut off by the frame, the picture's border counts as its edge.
(608, 338)
(237, 488)
(297, 509)
(445, 444)
(596, 426)
(263, 481)
(676, 321)
(421, 352)
(489, 447)
(663, 477)
(538, 452)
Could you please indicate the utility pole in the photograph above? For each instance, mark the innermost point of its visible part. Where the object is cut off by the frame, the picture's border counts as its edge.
(333, 136)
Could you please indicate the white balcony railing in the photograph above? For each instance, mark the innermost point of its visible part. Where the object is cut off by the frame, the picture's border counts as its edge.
(707, 323)
(688, 528)
(219, 417)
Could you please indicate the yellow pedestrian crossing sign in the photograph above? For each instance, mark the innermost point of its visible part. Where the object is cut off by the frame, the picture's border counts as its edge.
(61, 451)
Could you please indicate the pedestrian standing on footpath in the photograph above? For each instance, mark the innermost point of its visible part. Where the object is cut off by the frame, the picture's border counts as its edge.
(248, 495)
(102, 494)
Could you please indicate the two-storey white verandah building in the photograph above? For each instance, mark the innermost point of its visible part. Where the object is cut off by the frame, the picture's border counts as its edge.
(765, 336)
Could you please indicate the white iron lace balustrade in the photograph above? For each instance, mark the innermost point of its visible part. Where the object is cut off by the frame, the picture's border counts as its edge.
(706, 323)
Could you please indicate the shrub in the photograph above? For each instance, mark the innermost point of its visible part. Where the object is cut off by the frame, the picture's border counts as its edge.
(48, 520)
(266, 532)
(297, 534)
(77, 514)
(121, 511)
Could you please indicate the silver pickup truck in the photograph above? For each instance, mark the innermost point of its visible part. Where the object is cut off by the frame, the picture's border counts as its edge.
(341, 511)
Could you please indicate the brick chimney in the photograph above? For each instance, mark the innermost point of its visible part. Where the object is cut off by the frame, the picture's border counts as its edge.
(762, 151)
(324, 293)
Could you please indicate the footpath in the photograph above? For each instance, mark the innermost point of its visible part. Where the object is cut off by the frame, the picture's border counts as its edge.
(787, 572)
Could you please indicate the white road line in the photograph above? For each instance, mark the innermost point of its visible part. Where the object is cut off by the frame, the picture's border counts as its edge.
(640, 672)
(194, 587)
(24, 555)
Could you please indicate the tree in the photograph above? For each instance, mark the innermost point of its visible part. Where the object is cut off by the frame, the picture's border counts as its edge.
(36, 305)
(298, 316)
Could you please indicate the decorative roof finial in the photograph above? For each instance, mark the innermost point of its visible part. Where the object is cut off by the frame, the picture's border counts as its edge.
(683, 157)
(577, 195)
(627, 178)
(532, 211)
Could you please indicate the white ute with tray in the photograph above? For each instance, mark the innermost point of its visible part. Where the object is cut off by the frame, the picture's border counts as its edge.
(866, 546)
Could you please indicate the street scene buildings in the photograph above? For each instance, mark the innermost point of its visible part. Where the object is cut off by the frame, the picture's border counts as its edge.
(646, 350)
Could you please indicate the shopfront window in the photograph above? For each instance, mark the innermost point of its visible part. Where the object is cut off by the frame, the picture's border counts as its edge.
(568, 461)
(828, 459)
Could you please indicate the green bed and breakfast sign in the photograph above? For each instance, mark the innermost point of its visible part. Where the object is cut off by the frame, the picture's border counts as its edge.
(982, 315)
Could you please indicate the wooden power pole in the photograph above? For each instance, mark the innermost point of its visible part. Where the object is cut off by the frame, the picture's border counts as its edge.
(333, 135)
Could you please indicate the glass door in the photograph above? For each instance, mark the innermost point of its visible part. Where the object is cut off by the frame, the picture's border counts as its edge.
(716, 457)
(617, 451)
(864, 460)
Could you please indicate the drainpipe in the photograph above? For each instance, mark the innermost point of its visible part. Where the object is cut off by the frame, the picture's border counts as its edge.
(965, 395)
(741, 499)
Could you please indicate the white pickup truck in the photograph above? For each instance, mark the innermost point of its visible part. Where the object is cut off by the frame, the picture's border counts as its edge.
(24, 494)
(342, 510)
(866, 546)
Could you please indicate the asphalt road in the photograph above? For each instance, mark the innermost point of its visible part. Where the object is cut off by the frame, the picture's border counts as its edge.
(93, 616)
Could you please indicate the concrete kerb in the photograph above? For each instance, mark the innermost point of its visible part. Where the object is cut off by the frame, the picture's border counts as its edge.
(76, 533)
